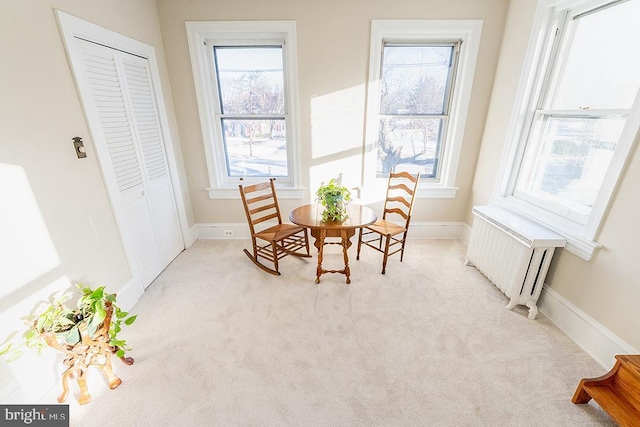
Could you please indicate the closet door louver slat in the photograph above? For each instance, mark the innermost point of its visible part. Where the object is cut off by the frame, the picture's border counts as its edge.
(138, 82)
(110, 104)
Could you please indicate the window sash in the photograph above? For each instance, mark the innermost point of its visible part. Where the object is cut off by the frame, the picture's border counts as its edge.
(451, 71)
(256, 46)
(433, 173)
(568, 155)
(533, 140)
(229, 177)
(423, 158)
(245, 161)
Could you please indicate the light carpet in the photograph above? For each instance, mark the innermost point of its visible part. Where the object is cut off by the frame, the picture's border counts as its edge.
(218, 342)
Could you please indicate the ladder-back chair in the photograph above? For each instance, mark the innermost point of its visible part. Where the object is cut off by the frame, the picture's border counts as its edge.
(270, 242)
(401, 192)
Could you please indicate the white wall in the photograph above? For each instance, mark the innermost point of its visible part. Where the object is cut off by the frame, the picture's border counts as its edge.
(56, 223)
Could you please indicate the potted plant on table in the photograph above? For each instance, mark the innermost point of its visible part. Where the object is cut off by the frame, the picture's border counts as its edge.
(334, 198)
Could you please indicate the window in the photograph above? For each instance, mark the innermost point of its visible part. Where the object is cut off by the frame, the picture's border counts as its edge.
(419, 89)
(251, 110)
(581, 119)
(416, 86)
(245, 80)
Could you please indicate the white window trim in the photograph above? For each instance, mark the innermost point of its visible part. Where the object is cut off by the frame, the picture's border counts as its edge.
(580, 239)
(469, 31)
(200, 31)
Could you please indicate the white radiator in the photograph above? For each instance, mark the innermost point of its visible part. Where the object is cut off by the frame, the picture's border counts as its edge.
(513, 253)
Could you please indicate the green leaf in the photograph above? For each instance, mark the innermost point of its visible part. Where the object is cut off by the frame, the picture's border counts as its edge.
(6, 349)
(120, 353)
(130, 320)
(99, 315)
(111, 297)
(98, 293)
(121, 314)
(40, 323)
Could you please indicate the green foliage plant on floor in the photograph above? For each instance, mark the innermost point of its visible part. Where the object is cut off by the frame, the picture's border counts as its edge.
(58, 317)
(334, 198)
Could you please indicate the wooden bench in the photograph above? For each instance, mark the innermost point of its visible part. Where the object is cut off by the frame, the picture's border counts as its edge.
(617, 392)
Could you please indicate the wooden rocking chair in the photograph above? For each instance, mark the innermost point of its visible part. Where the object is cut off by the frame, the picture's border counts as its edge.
(401, 192)
(275, 241)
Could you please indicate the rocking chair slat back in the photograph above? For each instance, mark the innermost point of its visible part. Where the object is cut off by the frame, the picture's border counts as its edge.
(277, 239)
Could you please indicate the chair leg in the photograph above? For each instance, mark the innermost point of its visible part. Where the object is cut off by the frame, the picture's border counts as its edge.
(306, 241)
(386, 253)
(359, 243)
(255, 248)
(274, 251)
(404, 240)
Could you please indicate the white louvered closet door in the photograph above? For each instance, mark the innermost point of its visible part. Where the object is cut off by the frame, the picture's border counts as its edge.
(154, 161)
(131, 153)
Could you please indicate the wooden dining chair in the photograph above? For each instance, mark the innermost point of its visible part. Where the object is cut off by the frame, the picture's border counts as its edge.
(270, 242)
(398, 205)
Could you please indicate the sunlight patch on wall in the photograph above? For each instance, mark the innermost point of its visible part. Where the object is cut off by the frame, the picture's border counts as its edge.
(26, 249)
(30, 376)
(337, 123)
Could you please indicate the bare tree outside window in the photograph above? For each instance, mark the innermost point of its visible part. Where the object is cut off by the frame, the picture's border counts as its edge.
(416, 86)
(253, 111)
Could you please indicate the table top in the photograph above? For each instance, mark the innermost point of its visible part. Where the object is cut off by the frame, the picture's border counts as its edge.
(311, 216)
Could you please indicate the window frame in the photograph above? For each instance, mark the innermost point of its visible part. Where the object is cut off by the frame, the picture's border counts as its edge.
(535, 83)
(202, 37)
(468, 33)
(445, 115)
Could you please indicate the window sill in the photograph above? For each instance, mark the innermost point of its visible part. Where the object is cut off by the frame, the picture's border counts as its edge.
(232, 193)
(577, 243)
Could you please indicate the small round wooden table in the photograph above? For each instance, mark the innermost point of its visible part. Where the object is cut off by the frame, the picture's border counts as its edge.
(310, 216)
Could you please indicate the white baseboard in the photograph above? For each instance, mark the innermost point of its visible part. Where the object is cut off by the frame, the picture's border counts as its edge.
(129, 294)
(466, 234)
(192, 236)
(215, 230)
(436, 230)
(595, 339)
(418, 230)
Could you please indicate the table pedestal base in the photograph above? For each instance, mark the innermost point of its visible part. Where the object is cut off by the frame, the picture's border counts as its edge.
(345, 241)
